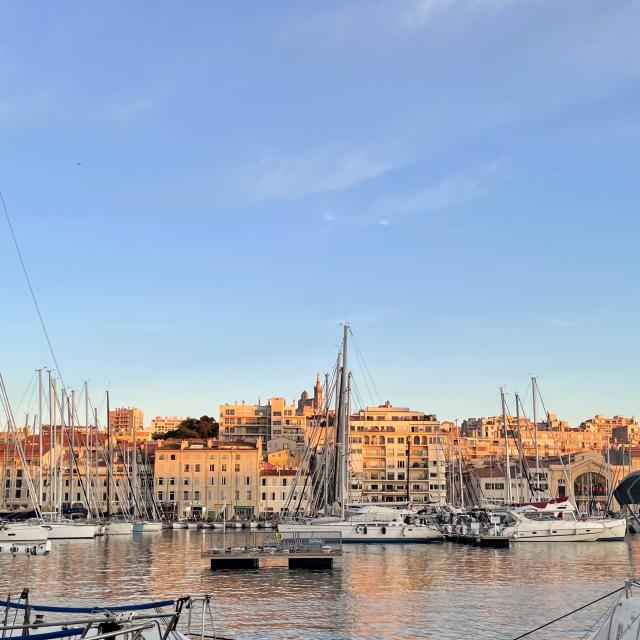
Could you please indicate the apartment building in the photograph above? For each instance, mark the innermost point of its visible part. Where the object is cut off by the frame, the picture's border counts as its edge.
(161, 425)
(396, 455)
(275, 420)
(203, 478)
(126, 419)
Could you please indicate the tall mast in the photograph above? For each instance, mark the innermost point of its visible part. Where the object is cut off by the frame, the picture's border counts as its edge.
(53, 460)
(40, 408)
(72, 452)
(88, 441)
(343, 425)
(507, 463)
(109, 456)
(325, 446)
(520, 448)
(134, 469)
(534, 385)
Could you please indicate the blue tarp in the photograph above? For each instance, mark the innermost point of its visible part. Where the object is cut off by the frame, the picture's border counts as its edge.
(62, 633)
(123, 607)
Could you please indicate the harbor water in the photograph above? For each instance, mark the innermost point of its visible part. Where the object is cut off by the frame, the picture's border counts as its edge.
(378, 591)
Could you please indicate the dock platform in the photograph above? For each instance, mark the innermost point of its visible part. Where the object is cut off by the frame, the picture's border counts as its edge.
(297, 552)
(480, 540)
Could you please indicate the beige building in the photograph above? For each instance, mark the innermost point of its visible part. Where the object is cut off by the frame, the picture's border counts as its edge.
(274, 420)
(162, 425)
(396, 455)
(126, 420)
(603, 424)
(275, 486)
(202, 478)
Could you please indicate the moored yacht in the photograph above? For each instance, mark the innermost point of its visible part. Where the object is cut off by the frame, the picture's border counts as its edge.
(558, 522)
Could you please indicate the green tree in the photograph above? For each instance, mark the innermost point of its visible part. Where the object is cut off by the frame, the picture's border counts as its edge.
(203, 427)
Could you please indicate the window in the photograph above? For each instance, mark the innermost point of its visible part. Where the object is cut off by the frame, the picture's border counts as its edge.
(172, 481)
(161, 456)
(185, 495)
(172, 456)
(160, 481)
(224, 467)
(263, 496)
(237, 469)
(185, 482)
(212, 467)
(197, 468)
(247, 480)
(196, 495)
(273, 495)
(237, 495)
(264, 482)
(248, 495)
(160, 496)
(186, 468)
(284, 482)
(223, 480)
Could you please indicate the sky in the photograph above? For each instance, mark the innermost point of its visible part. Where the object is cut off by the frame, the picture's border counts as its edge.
(202, 194)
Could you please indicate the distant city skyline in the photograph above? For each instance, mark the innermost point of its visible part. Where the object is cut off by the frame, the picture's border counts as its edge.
(199, 212)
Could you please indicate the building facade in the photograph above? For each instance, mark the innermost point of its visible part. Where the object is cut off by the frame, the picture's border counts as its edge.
(204, 478)
(161, 425)
(396, 455)
(126, 420)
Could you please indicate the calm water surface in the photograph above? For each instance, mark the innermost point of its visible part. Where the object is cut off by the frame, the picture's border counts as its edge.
(394, 591)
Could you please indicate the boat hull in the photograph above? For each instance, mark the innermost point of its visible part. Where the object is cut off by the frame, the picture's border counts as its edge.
(70, 531)
(23, 533)
(145, 527)
(118, 528)
(569, 531)
(35, 549)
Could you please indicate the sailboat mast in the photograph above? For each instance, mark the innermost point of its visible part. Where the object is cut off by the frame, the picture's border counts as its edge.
(53, 463)
(521, 450)
(534, 385)
(109, 457)
(40, 408)
(507, 463)
(134, 470)
(325, 446)
(72, 452)
(88, 442)
(343, 424)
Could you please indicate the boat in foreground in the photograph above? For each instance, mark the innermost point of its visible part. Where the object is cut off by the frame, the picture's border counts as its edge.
(23, 532)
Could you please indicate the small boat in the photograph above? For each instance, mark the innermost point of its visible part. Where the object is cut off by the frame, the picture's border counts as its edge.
(217, 525)
(179, 524)
(118, 528)
(192, 525)
(265, 524)
(146, 526)
(39, 549)
(23, 532)
(144, 621)
(234, 524)
(250, 524)
(69, 530)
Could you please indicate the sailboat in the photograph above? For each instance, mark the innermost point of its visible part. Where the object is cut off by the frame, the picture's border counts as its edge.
(330, 469)
(113, 526)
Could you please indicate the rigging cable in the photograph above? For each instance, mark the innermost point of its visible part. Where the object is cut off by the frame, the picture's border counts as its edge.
(31, 291)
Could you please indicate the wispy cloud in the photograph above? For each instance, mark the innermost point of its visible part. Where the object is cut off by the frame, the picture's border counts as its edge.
(451, 191)
(312, 172)
(422, 12)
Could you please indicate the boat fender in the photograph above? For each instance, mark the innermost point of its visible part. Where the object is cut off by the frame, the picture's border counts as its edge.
(365, 529)
(384, 530)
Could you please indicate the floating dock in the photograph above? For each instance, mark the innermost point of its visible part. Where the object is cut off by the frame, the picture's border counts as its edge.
(299, 551)
(479, 540)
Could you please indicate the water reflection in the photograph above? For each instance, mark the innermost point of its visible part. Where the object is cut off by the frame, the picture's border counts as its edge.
(394, 591)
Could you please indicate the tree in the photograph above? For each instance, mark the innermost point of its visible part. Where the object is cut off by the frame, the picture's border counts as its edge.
(203, 427)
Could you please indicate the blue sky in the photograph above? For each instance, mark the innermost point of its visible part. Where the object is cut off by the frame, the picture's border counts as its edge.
(204, 193)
